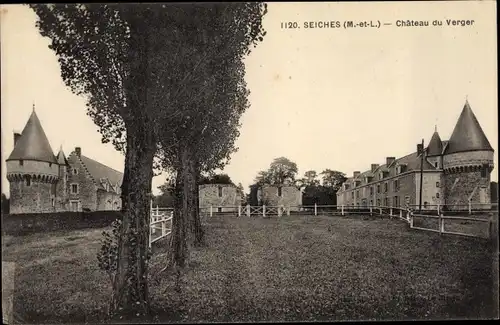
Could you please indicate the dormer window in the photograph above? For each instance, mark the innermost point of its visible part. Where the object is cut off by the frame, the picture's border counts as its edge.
(75, 171)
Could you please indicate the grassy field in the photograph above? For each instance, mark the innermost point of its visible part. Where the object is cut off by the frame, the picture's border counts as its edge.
(294, 268)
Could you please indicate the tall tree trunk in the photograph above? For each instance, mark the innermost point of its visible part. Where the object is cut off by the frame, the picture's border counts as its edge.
(178, 242)
(198, 229)
(130, 287)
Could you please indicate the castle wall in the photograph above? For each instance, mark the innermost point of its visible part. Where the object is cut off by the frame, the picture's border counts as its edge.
(461, 186)
(87, 190)
(36, 198)
(468, 158)
(108, 201)
(32, 167)
(209, 196)
(62, 201)
(290, 196)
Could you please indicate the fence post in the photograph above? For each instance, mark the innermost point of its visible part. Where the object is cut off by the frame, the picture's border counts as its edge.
(248, 210)
(149, 243)
(411, 220)
(371, 210)
(441, 223)
(163, 228)
(279, 210)
(470, 207)
(401, 213)
(315, 209)
(342, 209)
(211, 211)
(239, 210)
(157, 210)
(439, 212)
(390, 211)
(288, 211)
(263, 210)
(380, 210)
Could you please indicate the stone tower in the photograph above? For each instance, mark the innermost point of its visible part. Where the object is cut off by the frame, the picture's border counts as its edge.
(32, 170)
(467, 162)
(62, 200)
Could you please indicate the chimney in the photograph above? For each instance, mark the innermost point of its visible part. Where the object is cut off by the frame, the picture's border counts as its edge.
(16, 137)
(420, 148)
(78, 151)
(356, 174)
(374, 166)
(389, 160)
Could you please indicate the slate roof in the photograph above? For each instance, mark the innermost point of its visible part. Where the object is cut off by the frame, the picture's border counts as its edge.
(411, 161)
(435, 147)
(61, 158)
(100, 171)
(33, 143)
(467, 134)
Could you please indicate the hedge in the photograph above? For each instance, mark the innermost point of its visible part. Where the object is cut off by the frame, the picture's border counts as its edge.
(23, 224)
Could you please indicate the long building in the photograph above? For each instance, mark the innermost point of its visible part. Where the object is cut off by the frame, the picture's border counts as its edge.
(454, 172)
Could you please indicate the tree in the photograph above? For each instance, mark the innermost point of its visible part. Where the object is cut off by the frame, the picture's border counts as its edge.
(216, 38)
(332, 179)
(241, 194)
(309, 179)
(121, 58)
(283, 171)
(166, 198)
(216, 179)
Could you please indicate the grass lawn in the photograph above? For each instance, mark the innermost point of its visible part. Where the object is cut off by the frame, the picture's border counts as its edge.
(294, 268)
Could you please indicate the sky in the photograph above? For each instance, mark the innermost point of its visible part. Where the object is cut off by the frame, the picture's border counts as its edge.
(324, 98)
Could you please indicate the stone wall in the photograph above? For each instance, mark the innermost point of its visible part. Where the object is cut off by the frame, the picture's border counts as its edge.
(87, 191)
(62, 202)
(459, 187)
(209, 196)
(107, 201)
(290, 196)
(468, 158)
(36, 198)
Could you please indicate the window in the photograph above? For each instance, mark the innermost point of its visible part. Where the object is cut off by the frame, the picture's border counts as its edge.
(220, 191)
(74, 188)
(436, 164)
(352, 194)
(21, 162)
(395, 201)
(378, 188)
(437, 195)
(28, 181)
(378, 202)
(219, 209)
(386, 202)
(437, 184)
(426, 205)
(484, 170)
(381, 175)
(53, 202)
(75, 171)
(371, 190)
(385, 187)
(279, 191)
(396, 185)
(357, 193)
(50, 164)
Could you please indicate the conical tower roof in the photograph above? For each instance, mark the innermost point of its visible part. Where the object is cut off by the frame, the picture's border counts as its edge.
(33, 143)
(61, 157)
(435, 147)
(467, 135)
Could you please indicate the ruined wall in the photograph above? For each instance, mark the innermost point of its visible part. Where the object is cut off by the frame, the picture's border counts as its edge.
(108, 201)
(228, 201)
(290, 196)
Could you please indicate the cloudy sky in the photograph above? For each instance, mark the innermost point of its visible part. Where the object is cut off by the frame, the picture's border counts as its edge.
(325, 98)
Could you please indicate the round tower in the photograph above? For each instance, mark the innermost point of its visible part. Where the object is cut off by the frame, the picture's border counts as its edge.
(32, 171)
(467, 162)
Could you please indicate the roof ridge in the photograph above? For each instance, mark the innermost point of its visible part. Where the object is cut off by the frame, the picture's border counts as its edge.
(97, 162)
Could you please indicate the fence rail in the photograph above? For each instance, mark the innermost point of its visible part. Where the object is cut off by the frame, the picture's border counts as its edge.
(484, 214)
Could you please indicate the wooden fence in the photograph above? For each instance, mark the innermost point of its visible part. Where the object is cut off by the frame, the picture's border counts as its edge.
(161, 223)
(482, 215)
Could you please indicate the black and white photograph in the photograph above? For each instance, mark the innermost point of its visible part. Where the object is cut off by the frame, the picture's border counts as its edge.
(229, 162)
